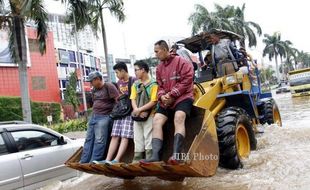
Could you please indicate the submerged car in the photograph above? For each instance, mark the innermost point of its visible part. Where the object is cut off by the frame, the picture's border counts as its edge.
(32, 156)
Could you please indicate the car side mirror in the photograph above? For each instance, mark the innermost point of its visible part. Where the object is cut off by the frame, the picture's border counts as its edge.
(61, 141)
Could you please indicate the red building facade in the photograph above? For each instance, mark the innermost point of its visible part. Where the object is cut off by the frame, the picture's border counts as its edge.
(42, 73)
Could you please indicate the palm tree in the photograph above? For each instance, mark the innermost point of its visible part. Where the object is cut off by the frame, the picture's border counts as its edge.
(244, 28)
(290, 63)
(227, 18)
(94, 19)
(78, 14)
(13, 20)
(291, 55)
(274, 48)
(224, 12)
(203, 20)
(304, 59)
(235, 17)
(78, 10)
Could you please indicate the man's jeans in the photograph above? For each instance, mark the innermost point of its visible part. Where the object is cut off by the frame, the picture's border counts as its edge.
(97, 138)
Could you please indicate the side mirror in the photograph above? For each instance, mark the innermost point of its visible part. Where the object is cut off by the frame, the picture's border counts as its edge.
(61, 141)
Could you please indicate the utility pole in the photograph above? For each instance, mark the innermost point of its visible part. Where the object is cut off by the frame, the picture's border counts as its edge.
(80, 65)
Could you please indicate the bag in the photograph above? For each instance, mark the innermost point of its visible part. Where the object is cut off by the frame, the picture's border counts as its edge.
(143, 98)
(123, 106)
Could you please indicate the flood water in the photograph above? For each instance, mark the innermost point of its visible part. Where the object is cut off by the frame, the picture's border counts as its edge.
(282, 161)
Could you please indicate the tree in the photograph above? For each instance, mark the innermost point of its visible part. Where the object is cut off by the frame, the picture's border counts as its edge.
(244, 28)
(94, 19)
(203, 20)
(71, 93)
(304, 59)
(267, 74)
(79, 8)
(151, 61)
(13, 20)
(274, 48)
(226, 18)
(291, 55)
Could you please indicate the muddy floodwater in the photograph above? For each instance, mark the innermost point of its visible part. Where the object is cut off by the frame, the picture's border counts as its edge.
(282, 161)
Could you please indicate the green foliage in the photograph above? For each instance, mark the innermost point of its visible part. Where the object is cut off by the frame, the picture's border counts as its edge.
(71, 125)
(151, 61)
(22, 11)
(275, 46)
(90, 13)
(227, 18)
(40, 111)
(10, 109)
(304, 59)
(71, 94)
(89, 111)
(267, 74)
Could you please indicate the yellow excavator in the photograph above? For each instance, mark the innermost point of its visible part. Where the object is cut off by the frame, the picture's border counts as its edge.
(220, 131)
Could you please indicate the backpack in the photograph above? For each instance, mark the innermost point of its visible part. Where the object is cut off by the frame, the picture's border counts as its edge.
(143, 97)
(123, 106)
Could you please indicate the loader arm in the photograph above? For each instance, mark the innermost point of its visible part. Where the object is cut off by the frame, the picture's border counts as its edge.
(209, 100)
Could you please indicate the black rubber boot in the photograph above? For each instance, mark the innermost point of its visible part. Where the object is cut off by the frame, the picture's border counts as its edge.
(177, 148)
(157, 145)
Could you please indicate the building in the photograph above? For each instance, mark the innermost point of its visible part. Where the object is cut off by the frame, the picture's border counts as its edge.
(48, 74)
(63, 34)
(66, 52)
(42, 72)
(67, 62)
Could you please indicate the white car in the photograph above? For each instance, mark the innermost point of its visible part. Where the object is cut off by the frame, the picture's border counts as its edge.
(32, 156)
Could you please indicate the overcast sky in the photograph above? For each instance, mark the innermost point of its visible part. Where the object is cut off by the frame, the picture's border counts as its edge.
(150, 20)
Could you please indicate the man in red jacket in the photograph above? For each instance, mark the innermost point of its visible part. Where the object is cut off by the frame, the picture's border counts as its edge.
(174, 76)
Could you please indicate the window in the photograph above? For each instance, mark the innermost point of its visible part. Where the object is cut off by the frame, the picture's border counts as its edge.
(28, 140)
(81, 58)
(3, 149)
(64, 83)
(63, 65)
(92, 62)
(72, 56)
(63, 56)
(73, 65)
(87, 72)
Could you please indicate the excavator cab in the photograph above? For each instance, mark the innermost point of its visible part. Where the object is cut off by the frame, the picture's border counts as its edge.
(220, 131)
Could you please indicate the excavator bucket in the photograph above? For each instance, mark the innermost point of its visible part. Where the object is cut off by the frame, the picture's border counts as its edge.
(199, 157)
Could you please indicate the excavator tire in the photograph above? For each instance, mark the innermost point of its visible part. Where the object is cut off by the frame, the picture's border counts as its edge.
(271, 113)
(236, 137)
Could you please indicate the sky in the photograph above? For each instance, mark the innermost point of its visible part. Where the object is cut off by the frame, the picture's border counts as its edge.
(148, 21)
